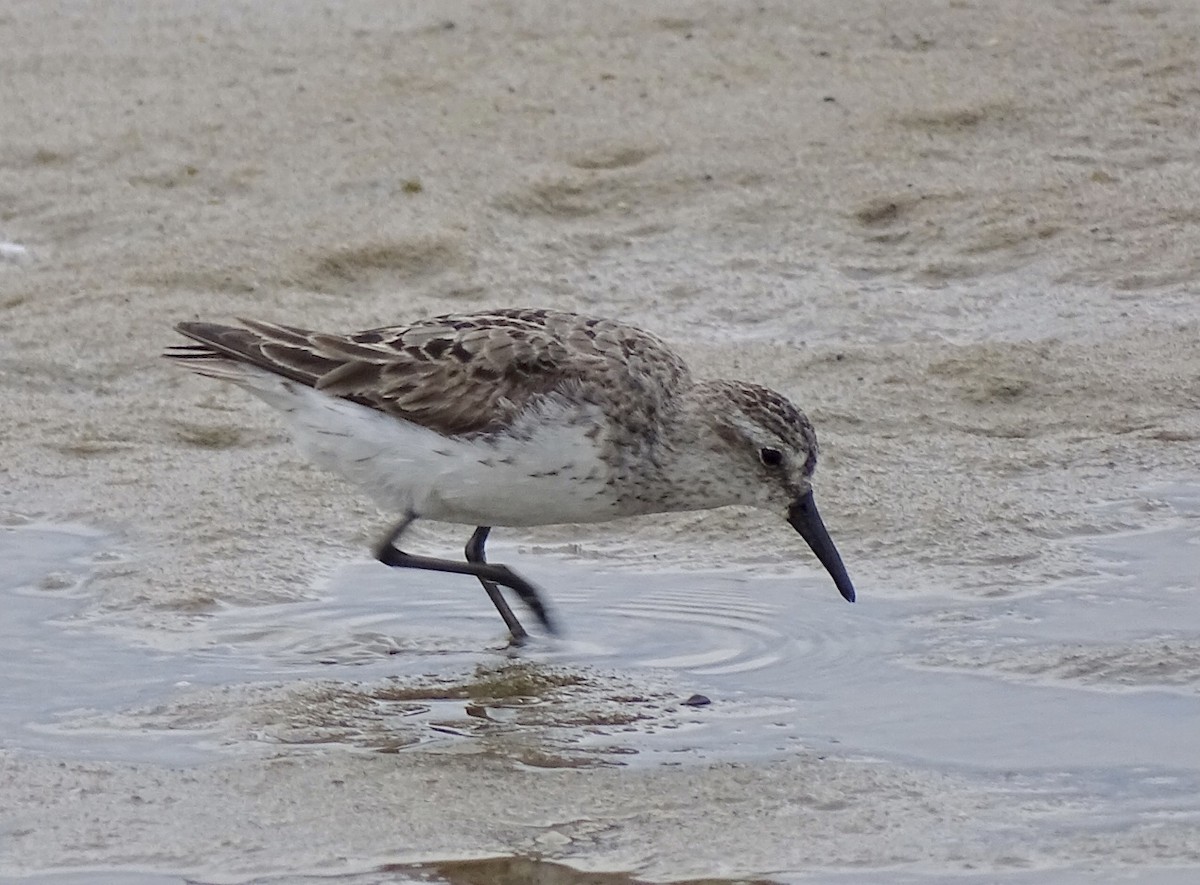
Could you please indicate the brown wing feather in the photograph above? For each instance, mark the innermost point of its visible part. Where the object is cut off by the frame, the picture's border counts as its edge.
(459, 374)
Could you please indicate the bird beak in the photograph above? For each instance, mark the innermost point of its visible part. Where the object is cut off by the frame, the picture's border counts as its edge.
(805, 519)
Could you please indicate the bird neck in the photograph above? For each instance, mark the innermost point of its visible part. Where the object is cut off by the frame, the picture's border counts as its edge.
(689, 442)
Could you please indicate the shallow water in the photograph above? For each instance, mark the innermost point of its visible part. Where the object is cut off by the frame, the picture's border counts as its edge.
(1006, 682)
(48, 665)
(1085, 695)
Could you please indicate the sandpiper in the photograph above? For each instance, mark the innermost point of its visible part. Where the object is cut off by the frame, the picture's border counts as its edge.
(521, 417)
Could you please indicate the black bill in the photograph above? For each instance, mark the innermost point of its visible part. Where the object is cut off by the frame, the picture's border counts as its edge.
(805, 519)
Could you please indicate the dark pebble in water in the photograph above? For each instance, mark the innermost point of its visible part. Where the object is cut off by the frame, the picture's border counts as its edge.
(697, 700)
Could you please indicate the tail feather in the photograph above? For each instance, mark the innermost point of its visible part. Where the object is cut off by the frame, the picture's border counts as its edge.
(232, 354)
(277, 332)
(240, 344)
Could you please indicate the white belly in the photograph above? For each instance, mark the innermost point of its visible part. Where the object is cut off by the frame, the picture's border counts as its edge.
(549, 472)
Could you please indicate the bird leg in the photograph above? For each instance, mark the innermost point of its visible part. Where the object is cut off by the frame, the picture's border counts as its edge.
(475, 553)
(487, 573)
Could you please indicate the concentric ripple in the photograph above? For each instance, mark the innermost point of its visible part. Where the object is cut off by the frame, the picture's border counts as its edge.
(693, 624)
(759, 650)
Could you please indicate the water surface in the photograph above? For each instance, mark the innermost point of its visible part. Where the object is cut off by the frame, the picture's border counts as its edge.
(1085, 695)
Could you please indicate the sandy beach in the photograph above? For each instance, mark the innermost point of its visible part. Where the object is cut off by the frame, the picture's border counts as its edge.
(963, 236)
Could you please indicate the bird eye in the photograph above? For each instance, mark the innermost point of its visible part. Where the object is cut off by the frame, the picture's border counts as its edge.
(770, 457)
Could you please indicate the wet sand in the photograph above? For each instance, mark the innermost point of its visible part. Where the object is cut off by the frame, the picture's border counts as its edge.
(963, 236)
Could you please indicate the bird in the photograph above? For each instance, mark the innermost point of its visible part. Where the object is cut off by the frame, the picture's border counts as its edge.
(521, 417)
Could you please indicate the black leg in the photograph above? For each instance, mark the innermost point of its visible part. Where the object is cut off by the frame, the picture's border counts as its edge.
(388, 553)
(475, 553)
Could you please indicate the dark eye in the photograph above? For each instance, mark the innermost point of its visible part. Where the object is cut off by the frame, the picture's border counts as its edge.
(770, 457)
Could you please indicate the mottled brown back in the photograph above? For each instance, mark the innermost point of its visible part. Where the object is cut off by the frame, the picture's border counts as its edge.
(460, 374)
